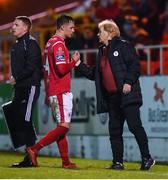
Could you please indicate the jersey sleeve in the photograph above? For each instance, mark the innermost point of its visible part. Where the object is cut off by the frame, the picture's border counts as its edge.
(62, 65)
(59, 52)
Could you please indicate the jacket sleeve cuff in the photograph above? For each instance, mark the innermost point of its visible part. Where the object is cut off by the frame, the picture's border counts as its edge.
(127, 81)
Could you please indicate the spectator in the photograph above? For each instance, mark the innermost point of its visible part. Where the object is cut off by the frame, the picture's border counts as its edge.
(108, 10)
(148, 11)
(47, 23)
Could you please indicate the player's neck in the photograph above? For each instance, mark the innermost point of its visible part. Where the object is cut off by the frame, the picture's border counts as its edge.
(58, 33)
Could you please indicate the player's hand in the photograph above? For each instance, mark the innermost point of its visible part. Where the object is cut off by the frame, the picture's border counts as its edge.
(77, 63)
(76, 56)
(12, 81)
(126, 88)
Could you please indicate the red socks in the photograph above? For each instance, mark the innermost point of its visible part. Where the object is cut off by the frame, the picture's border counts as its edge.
(59, 135)
(54, 135)
(63, 149)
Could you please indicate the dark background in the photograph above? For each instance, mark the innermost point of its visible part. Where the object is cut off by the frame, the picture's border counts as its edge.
(11, 8)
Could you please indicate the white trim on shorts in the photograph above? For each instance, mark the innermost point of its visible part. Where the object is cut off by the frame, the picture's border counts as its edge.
(63, 108)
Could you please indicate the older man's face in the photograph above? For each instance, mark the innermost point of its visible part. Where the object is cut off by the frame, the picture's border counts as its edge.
(103, 35)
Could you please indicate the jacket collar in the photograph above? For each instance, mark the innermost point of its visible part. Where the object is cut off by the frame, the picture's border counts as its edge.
(25, 36)
(113, 41)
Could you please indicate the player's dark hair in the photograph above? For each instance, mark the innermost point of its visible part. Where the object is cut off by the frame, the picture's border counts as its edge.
(26, 20)
(63, 19)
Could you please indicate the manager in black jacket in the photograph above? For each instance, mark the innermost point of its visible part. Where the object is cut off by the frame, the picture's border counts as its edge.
(26, 70)
(118, 91)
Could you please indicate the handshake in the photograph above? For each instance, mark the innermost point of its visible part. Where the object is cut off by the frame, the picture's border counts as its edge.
(76, 58)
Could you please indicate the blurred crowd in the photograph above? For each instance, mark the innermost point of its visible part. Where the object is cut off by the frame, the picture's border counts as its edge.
(140, 21)
(143, 22)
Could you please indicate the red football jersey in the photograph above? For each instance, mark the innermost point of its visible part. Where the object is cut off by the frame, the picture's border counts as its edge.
(56, 54)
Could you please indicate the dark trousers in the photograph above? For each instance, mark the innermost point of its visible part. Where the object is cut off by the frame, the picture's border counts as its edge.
(23, 103)
(117, 116)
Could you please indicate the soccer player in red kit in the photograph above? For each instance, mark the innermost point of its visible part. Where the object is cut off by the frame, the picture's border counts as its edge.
(57, 66)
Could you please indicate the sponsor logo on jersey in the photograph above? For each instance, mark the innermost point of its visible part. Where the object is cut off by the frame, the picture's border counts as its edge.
(60, 57)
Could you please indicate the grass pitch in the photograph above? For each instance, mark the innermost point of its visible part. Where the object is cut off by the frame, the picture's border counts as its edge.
(50, 168)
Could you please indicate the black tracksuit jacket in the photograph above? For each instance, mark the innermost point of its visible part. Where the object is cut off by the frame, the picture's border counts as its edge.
(26, 62)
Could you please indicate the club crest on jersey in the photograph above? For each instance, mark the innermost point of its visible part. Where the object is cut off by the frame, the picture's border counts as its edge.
(60, 57)
(60, 49)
